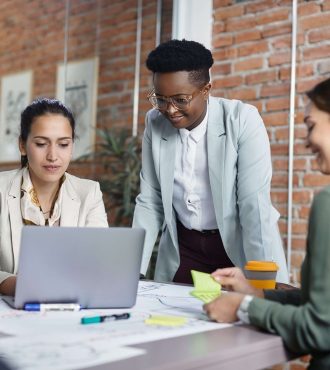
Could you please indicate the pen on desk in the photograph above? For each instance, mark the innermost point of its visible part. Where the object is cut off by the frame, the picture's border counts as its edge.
(42, 307)
(104, 318)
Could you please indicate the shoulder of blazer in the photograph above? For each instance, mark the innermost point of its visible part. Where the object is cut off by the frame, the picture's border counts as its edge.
(10, 182)
(78, 187)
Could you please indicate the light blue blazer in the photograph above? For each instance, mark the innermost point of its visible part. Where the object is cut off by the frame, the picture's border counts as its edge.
(82, 205)
(240, 171)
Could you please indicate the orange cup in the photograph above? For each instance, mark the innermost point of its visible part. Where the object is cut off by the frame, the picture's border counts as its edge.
(261, 274)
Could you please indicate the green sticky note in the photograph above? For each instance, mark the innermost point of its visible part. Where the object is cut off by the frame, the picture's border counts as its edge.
(166, 320)
(206, 288)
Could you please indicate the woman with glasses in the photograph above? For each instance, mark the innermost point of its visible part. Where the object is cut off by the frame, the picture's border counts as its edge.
(301, 316)
(206, 172)
(41, 192)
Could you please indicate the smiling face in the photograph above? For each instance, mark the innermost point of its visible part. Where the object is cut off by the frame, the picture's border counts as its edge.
(48, 148)
(318, 138)
(177, 83)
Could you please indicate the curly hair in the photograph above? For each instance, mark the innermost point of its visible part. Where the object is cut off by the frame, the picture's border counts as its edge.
(182, 55)
(320, 95)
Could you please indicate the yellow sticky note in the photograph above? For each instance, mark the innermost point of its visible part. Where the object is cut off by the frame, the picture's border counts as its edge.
(166, 320)
(206, 288)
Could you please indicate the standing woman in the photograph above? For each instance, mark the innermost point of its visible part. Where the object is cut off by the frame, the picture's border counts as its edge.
(41, 192)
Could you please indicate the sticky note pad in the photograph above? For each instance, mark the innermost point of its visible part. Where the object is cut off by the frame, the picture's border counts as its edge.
(166, 320)
(206, 288)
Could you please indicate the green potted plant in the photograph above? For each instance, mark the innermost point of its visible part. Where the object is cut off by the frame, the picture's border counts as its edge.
(119, 154)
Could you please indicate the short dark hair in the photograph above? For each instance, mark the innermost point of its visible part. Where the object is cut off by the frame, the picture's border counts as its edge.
(182, 55)
(320, 95)
(41, 107)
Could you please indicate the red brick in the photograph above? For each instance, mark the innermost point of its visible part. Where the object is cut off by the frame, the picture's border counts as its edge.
(281, 180)
(253, 48)
(222, 40)
(279, 58)
(316, 179)
(305, 85)
(228, 12)
(221, 69)
(306, 9)
(273, 16)
(319, 34)
(298, 243)
(279, 196)
(248, 64)
(258, 6)
(256, 103)
(275, 90)
(314, 21)
(249, 35)
(242, 94)
(239, 24)
(278, 29)
(224, 54)
(304, 212)
(218, 27)
(302, 196)
(259, 77)
(317, 52)
(230, 81)
(278, 104)
(279, 149)
(276, 119)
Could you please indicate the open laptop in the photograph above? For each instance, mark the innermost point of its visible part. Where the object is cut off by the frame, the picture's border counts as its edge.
(95, 267)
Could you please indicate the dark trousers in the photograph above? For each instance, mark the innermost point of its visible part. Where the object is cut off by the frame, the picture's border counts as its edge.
(201, 251)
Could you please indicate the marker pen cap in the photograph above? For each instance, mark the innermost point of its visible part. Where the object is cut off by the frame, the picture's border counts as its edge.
(261, 274)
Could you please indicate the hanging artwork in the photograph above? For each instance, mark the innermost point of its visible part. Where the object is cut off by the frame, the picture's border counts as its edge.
(77, 88)
(16, 93)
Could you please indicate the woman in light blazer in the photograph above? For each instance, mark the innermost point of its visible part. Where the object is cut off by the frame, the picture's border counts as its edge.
(206, 173)
(41, 192)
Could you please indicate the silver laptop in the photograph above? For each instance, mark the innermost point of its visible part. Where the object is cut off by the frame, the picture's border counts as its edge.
(95, 267)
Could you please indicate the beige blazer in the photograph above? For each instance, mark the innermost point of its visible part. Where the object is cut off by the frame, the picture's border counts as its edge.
(82, 205)
(240, 172)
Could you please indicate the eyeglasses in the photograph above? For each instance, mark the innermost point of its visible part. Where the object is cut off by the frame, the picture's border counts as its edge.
(181, 101)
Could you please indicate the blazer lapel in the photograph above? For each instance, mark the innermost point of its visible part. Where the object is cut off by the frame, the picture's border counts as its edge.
(70, 205)
(216, 136)
(167, 163)
(15, 216)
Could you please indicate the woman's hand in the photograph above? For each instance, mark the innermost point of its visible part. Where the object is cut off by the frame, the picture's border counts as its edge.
(233, 279)
(224, 308)
(8, 286)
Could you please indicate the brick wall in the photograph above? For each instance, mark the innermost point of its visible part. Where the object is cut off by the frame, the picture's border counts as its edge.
(252, 49)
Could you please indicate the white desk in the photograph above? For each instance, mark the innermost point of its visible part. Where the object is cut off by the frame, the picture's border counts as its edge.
(58, 340)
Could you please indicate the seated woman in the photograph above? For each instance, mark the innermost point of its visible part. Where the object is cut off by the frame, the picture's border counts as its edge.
(41, 192)
(300, 317)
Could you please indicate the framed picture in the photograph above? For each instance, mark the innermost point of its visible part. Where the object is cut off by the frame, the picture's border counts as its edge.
(16, 93)
(77, 88)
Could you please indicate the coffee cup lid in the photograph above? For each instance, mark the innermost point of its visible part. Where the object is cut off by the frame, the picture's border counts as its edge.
(261, 266)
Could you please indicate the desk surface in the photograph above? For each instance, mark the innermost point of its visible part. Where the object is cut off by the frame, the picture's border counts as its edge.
(238, 347)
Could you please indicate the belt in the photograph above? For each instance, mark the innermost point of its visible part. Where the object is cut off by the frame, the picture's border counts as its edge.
(204, 232)
(208, 232)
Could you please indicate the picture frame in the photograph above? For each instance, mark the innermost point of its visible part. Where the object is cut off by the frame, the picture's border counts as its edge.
(77, 88)
(16, 94)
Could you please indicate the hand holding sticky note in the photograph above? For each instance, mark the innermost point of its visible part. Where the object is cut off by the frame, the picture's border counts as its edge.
(206, 288)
